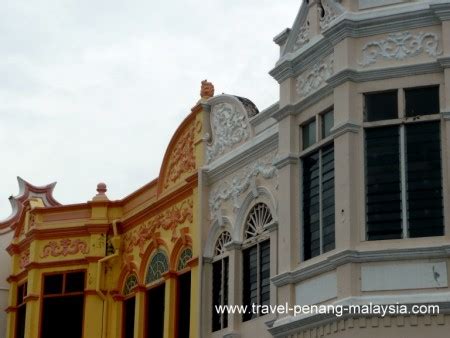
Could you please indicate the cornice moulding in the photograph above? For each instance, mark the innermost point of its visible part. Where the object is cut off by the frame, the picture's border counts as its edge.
(353, 256)
(284, 160)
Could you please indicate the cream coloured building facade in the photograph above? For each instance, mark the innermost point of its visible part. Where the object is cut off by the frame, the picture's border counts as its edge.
(351, 164)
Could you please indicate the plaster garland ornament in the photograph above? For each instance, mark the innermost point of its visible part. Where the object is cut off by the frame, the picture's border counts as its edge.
(240, 183)
(316, 77)
(147, 232)
(182, 159)
(401, 46)
(65, 247)
(229, 127)
(329, 11)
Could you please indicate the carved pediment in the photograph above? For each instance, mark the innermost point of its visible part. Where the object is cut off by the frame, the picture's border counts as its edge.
(314, 17)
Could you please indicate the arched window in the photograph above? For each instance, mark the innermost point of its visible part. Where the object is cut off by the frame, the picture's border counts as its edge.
(158, 265)
(220, 281)
(256, 259)
(185, 256)
(129, 306)
(130, 284)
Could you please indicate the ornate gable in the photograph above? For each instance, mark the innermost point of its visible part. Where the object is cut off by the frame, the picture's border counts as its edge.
(314, 17)
(29, 196)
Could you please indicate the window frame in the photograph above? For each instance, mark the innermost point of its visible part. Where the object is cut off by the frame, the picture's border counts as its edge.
(401, 122)
(224, 259)
(248, 243)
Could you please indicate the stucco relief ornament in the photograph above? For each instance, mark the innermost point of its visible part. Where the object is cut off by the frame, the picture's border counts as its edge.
(65, 247)
(313, 79)
(303, 36)
(183, 157)
(24, 258)
(328, 12)
(400, 46)
(239, 184)
(229, 126)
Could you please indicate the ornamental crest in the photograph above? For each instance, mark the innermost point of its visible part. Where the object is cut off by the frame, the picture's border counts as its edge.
(229, 127)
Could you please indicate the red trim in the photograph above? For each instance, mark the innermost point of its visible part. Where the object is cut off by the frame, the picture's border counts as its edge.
(10, 309)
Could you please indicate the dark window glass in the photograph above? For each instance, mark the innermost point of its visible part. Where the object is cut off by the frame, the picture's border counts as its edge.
(309, 134)
(53, 284)
(318, 202)
(220, 289)
(155, 312)
(184, 305)
(21, 311)
(381, 106)
(264, 273)
(328, 218)
(256, 286)
(74, 282)
(327, 123)
(424, 188)
(62, 314)
(129, 306)
(422, 101)
(311, 205)
(225, 290)
(383, 183)
(250, 282)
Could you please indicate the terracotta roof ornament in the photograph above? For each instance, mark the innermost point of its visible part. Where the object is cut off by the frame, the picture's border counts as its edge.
(207, 90)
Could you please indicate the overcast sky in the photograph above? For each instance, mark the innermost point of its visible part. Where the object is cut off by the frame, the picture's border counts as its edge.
(92, 90)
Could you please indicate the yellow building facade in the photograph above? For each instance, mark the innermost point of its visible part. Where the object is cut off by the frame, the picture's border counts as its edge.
(125, 268)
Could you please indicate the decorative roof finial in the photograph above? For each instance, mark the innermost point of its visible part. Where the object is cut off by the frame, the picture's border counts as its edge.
(207, 90)
(101, 192)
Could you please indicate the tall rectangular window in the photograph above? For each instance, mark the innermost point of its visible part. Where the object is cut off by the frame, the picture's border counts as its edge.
(184, 305)
(155, 311)
(327, 123)
(256, 281)
(21, 310)
(383, 183)
(318, 202)
(129, 306)
(220, 293)
(404, 172)
(63, 305)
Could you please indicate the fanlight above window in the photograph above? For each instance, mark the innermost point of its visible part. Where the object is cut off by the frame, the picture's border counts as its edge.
(158, 265)
(185, 256)
(258, 217)
(130, 284)
(224, 238)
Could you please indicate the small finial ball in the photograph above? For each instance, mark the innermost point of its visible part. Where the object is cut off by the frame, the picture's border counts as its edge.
(101, 188)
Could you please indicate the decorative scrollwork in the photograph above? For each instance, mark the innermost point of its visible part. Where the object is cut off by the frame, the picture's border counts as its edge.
(240, 183)
(400, 46)
(167, 220)
(311, 80)
(65, 247)
(230, 128)
(24, 258)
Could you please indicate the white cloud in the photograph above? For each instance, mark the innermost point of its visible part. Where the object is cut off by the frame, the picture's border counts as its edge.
(93, 90)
